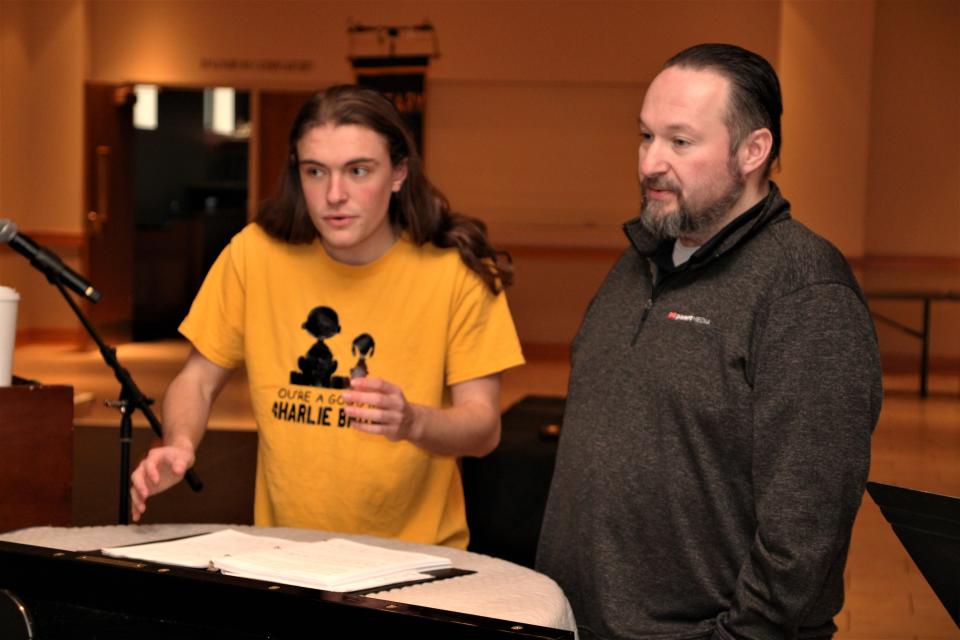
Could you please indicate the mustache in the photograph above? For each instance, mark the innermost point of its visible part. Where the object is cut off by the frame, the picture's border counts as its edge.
(660, 183)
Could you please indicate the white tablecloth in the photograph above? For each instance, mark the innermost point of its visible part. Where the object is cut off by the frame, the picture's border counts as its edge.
(498, 589)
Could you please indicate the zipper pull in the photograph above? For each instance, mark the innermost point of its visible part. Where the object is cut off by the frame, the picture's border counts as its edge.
(646, 310)
(643, 318)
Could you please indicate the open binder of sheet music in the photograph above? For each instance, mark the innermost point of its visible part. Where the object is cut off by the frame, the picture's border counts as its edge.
(332, 565)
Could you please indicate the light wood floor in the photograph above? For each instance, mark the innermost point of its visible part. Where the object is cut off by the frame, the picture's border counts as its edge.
(917, 444)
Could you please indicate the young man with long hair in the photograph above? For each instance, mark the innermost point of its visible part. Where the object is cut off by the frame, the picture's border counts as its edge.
(356, 247)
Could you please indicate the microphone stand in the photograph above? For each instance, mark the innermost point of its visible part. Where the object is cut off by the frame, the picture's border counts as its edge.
(131, 399)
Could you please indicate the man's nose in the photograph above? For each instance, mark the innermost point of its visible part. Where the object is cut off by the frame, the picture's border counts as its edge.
(651, 159)
(336, 189)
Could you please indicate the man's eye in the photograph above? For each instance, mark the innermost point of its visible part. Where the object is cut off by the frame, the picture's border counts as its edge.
(680, 142)
(646, 136)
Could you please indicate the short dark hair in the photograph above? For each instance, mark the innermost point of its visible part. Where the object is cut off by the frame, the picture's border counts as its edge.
(419, 208)
(755, 101)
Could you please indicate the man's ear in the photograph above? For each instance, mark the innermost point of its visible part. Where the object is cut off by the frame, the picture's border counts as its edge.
(754, 150)
(399, 175)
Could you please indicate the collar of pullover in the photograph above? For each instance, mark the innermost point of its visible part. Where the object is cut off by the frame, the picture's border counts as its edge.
(772, 207)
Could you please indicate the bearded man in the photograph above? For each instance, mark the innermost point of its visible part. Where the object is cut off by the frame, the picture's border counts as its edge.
(725, 386)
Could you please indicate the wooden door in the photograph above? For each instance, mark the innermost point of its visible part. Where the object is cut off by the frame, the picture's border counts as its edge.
(277, 110)
(108, 194)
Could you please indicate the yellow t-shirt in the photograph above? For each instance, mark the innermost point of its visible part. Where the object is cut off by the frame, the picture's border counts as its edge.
(429, 322)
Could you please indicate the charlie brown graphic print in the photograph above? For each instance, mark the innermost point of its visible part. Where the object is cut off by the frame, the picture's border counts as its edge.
(317, 368)
(303, 325)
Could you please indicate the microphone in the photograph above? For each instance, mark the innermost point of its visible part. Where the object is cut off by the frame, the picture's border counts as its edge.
(46, 261)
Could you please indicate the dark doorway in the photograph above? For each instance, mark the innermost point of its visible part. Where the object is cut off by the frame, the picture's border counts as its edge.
(276, 113)
(108, 220)
(190, 199)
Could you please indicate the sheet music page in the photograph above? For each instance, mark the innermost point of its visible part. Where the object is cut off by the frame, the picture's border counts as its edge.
(198, 551)
(318, 583)
(335, 565)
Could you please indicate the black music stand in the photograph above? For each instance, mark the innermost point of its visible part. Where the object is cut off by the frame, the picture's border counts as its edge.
(928, 525)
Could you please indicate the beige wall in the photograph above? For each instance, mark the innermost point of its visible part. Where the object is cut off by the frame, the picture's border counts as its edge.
(826, 53)
(42, 69)
(531, 112)
(914, 189)
(913, 192)
(41, 112)
(517, 40)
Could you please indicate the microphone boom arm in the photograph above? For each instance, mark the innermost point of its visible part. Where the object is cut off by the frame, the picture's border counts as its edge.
(131, 399)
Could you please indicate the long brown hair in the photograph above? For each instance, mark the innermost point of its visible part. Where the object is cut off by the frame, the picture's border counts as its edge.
(418, 208)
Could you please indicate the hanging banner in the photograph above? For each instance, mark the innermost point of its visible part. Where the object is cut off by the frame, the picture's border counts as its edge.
(403, 80)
